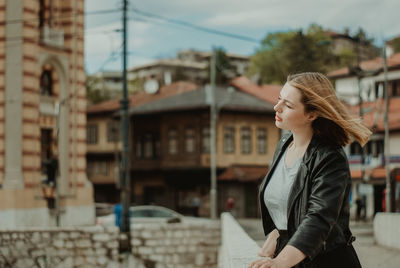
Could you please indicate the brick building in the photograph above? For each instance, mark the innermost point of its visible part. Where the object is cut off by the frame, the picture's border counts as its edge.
(42, 114)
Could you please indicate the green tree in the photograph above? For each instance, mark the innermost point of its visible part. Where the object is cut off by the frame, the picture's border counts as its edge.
(224, 68)
(396, 44)
(283, 53)
(96, 92)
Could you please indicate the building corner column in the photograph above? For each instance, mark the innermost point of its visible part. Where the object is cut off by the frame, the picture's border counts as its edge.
(13, 178)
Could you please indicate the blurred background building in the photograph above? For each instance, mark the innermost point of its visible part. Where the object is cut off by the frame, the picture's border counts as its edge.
(42, 115)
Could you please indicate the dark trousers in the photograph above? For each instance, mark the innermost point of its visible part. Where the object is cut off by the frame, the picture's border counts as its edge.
(342, 256)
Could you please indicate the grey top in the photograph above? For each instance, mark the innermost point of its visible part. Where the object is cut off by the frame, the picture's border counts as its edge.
(276, 193)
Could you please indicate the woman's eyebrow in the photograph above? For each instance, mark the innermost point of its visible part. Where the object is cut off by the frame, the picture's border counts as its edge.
(285, 100)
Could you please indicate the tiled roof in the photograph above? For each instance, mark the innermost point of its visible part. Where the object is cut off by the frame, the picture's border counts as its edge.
(243, 173)
(368, 65)
(143, 97)
(269, 93)
(249, 96)
(373, 114)
(199, 99)
(172, 62)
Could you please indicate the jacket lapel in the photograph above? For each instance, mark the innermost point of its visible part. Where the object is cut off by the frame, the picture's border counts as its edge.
(301, 175)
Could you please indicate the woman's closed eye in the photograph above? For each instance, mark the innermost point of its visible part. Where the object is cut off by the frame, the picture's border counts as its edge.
(286, 104)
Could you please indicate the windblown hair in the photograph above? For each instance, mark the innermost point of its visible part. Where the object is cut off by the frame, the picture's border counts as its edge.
(334, 123)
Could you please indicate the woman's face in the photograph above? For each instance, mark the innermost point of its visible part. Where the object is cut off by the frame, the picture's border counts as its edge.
(289, 110)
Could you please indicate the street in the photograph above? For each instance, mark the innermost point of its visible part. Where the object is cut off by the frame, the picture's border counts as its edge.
(370, 254)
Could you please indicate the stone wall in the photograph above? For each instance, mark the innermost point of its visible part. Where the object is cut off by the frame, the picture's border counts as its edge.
(187, 244)
(59, 247)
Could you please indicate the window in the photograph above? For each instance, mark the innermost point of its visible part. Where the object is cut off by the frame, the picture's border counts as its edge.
(229, 139)
(246, 140)
(138, 148)
(101, 168)
(395, 85)
(377, 148)
(42, 13)
(172, 141)
(113, 131)
(46, 150)
(355, 149)
(91, 134)
(46, 83)
(262, 140)
(190, 140)
(205, 140)
(148, 146)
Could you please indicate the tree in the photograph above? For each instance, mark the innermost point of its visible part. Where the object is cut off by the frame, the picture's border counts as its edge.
(96, 91)
(224, 68)
(395, 42)
(289, 52)
(283, 53)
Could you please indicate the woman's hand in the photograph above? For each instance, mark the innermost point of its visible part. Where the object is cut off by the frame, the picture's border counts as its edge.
(263, 262)
(267, 262)
(269, 246)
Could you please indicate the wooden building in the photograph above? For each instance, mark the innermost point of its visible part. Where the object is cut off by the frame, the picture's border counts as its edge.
(170, 146)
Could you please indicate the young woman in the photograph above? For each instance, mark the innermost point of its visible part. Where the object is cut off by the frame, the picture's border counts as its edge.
(305, 196)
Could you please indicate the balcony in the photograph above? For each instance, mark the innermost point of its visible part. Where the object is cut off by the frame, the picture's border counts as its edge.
(52, 37)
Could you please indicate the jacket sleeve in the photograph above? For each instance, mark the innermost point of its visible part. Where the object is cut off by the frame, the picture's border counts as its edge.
(329, 180)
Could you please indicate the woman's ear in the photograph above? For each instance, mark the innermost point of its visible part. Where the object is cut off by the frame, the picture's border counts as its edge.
(312, 116)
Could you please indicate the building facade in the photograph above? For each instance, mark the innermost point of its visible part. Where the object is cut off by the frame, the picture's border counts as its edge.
(170, 148)
(42, 115)
(365, 94)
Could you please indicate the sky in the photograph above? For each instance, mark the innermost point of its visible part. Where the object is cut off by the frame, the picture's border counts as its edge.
(150, 38)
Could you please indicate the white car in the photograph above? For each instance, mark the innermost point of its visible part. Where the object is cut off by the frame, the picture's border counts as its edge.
(144, 214)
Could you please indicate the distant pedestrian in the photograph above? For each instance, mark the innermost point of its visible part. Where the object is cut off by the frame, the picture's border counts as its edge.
(304, 198)
(118, 214)
(196, 205)
(360, 209)
(230, 205)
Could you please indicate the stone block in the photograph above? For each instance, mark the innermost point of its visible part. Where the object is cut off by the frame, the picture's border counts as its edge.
(100, 251)
(145, 250)
(113, 244)
(136, 242)
(101, 237)
(102, 260)
(83, 243)
(58, 243)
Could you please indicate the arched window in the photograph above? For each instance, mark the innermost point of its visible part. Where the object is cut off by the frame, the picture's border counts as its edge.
(46, 83)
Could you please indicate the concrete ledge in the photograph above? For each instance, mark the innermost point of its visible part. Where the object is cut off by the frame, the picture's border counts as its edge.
(386, 229)
(238, 250)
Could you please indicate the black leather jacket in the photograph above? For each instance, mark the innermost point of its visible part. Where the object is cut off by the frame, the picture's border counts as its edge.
(318, 203)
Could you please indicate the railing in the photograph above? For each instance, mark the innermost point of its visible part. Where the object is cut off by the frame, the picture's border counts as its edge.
(238, 250)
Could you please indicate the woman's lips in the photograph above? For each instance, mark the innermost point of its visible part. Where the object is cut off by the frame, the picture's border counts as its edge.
(277, 118)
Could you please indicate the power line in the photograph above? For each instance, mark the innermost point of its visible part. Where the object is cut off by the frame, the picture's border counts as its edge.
(194, 26)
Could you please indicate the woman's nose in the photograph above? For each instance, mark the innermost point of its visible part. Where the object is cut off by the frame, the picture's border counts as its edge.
(277, 107)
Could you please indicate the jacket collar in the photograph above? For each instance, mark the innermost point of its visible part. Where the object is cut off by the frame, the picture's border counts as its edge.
(314, 143)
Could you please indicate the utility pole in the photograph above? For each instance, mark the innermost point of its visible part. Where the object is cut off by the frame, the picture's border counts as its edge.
(359, 74)
(213, 137)
(125, 178)
(387, 153)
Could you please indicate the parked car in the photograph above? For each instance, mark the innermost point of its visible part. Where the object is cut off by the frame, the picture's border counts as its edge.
(145, 214)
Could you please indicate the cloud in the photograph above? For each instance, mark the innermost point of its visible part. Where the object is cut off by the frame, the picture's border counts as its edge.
(149, 38)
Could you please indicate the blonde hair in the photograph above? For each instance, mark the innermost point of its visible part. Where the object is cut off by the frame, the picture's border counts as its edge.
(334, 123)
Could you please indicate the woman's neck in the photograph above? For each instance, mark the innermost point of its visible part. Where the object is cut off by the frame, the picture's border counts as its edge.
(302, 138)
